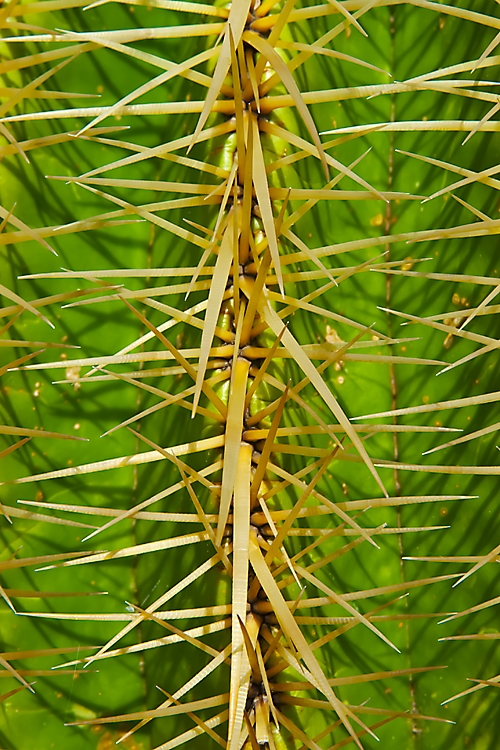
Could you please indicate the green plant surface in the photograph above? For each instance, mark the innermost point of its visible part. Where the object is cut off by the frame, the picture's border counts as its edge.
(401, 122)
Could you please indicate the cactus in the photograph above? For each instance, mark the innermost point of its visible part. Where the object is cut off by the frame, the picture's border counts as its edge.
(225, 483)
